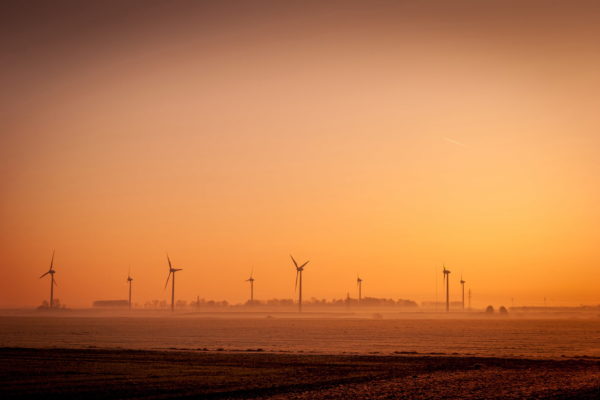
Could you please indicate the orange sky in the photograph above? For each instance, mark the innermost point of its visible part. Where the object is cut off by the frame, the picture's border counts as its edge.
(374, 137)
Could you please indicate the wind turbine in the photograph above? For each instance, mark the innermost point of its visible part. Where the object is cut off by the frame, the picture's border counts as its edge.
(251, 280)
(172, 271)
(347, 299)
(51, 271)
(359, 285)
(447, 279)
(299, 270)
(129, 280)
(462, 282)
(469, 299)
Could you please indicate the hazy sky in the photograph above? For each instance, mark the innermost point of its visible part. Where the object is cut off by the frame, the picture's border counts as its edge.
(380, 138)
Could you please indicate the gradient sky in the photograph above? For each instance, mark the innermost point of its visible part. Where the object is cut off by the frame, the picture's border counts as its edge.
(380, 138)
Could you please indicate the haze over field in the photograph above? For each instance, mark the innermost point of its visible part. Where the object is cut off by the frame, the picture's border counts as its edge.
(513, 337)
(380, 138)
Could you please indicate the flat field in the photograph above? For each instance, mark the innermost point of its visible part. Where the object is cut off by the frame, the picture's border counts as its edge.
(141, 374)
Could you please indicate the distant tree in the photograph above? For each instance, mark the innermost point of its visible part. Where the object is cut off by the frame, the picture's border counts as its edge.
(489, 310)
(503, 310)
(406, 303)
(280, 302)
(44, 305)
(347, 301)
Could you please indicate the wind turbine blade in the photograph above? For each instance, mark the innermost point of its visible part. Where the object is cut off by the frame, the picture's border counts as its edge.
(168, 276)
(169, 260)
(52, 260)
(296, 284)
(295, 263)
(44, 274)
(304, 264)
(55, 284)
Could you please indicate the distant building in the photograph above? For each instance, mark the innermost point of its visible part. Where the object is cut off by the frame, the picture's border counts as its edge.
(111, 304)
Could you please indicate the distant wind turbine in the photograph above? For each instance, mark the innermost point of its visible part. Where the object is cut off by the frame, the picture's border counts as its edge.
(469, 299)
(462, 282)
(129, 280)
(299, 270)
(172, 272)
(51, 271)
(251, 280)
(447, 279)
(359, 285)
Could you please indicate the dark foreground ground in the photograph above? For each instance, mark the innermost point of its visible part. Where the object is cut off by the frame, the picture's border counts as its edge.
(120, 374)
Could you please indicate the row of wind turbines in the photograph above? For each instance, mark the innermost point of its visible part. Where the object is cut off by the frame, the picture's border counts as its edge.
(446, 274)
(297, 287)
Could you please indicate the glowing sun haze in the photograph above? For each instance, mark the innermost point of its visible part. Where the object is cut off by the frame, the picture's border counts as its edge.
(380, 138)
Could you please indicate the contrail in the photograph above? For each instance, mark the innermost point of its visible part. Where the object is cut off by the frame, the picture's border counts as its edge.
(456, 142)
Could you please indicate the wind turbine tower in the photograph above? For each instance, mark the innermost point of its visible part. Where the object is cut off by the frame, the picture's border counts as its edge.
(462, 283)
(447, 279)
(251, 280)
(51, 271)
(129, 281)
(172, 272)
(359, 285)
(299, 270)
(469, 299)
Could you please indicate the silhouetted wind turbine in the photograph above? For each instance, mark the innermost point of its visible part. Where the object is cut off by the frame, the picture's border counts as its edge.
(251, 280)
(172, 271)
(469, 299)
(299, 270)
(359, 285)
(129, 280)
(51, 271)
(447, 279)
(462, 282)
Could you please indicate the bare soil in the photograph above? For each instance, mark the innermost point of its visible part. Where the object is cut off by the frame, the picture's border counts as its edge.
(131, 374)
